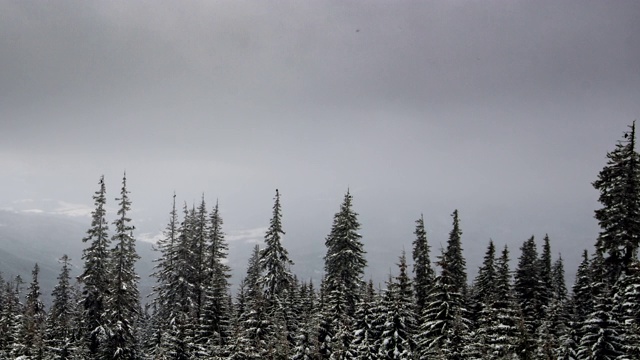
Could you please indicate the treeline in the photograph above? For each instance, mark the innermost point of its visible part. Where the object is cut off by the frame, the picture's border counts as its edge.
(427, 310)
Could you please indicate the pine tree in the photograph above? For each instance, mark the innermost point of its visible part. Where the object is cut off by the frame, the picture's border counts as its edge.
(123, 300)
(215, 321)
(30, 343)
(59, 334)
(96, 276)
(366, 334)
(528, 287)
(276, 278)
(10, 317)
(424, 274)
(485, 284)
(505, 329)
(343, 284)
(444, 321)
(619, 217)
(345, 262)
(601, 330)
(399, 328)
(455, 262)
(165, 272)
(627, 310)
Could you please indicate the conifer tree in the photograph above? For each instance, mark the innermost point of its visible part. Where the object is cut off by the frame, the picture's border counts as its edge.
(60, 324)
(502, 328)
(366, 334)
(96, 276)
(276, 278)
(165, 271)
(30, 343)
(10, 317)
(444, 321)
(123, 300)
(215, 320)
(343, 284)
(528, 286)
(455, 262)
(627, 310)
(345, 261)
(619, 217)
(601, 331)
(485, 284)
(424, 274)
(399, 328)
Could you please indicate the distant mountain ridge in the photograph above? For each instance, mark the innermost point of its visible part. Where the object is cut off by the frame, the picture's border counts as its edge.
(30, 238)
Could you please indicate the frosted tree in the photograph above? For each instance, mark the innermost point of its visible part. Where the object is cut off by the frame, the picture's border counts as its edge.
(122, 303)
(61, 325)
(29, 342)
(215, 319)
(96, 276)
(619, 218)
(423, 272)
(400, 323)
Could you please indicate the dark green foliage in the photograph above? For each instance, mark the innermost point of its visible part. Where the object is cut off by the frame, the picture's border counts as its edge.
(619, 218)
(61, 324)
(397, 340)
(454, 260)
(95, 278)
(424, 274)
(444, 320)
(528, 286)
(275, 264)
(123, 300)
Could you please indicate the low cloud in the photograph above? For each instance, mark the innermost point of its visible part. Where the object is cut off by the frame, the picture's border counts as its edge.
(254, 236)
(74, 210)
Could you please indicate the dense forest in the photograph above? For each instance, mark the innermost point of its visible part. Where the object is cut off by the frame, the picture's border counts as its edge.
(427, 310)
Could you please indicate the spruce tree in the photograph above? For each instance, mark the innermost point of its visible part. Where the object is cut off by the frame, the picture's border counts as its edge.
(528, 287)
(123, 300)
(444, 321)
(424, 274)
(454, 260)
(165, 272)
(399, 328)
(96, 276)
(343, 284)
(30, 343)
(276, 278)
(60, 324)
(619, 218)
(345, 261)
(366, 334)
(601, 330)
(627, 310)
(10, 317)
(485, 284)
(215, 320)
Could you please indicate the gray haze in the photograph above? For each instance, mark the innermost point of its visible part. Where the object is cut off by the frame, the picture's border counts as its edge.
(502, 109)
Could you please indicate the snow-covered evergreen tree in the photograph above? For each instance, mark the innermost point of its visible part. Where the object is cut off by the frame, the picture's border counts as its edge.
(96, 276)
(454, 260)
(214, 332)
(343, 283)
(619, 218)
(444, 320)
(30, 337)
(397, 340)
(424, 274)
(601, 330)
(122, 303)
(61, 325)
(528, 291)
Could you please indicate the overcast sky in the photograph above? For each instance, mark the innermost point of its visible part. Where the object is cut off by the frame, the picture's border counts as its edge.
(502, 109)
